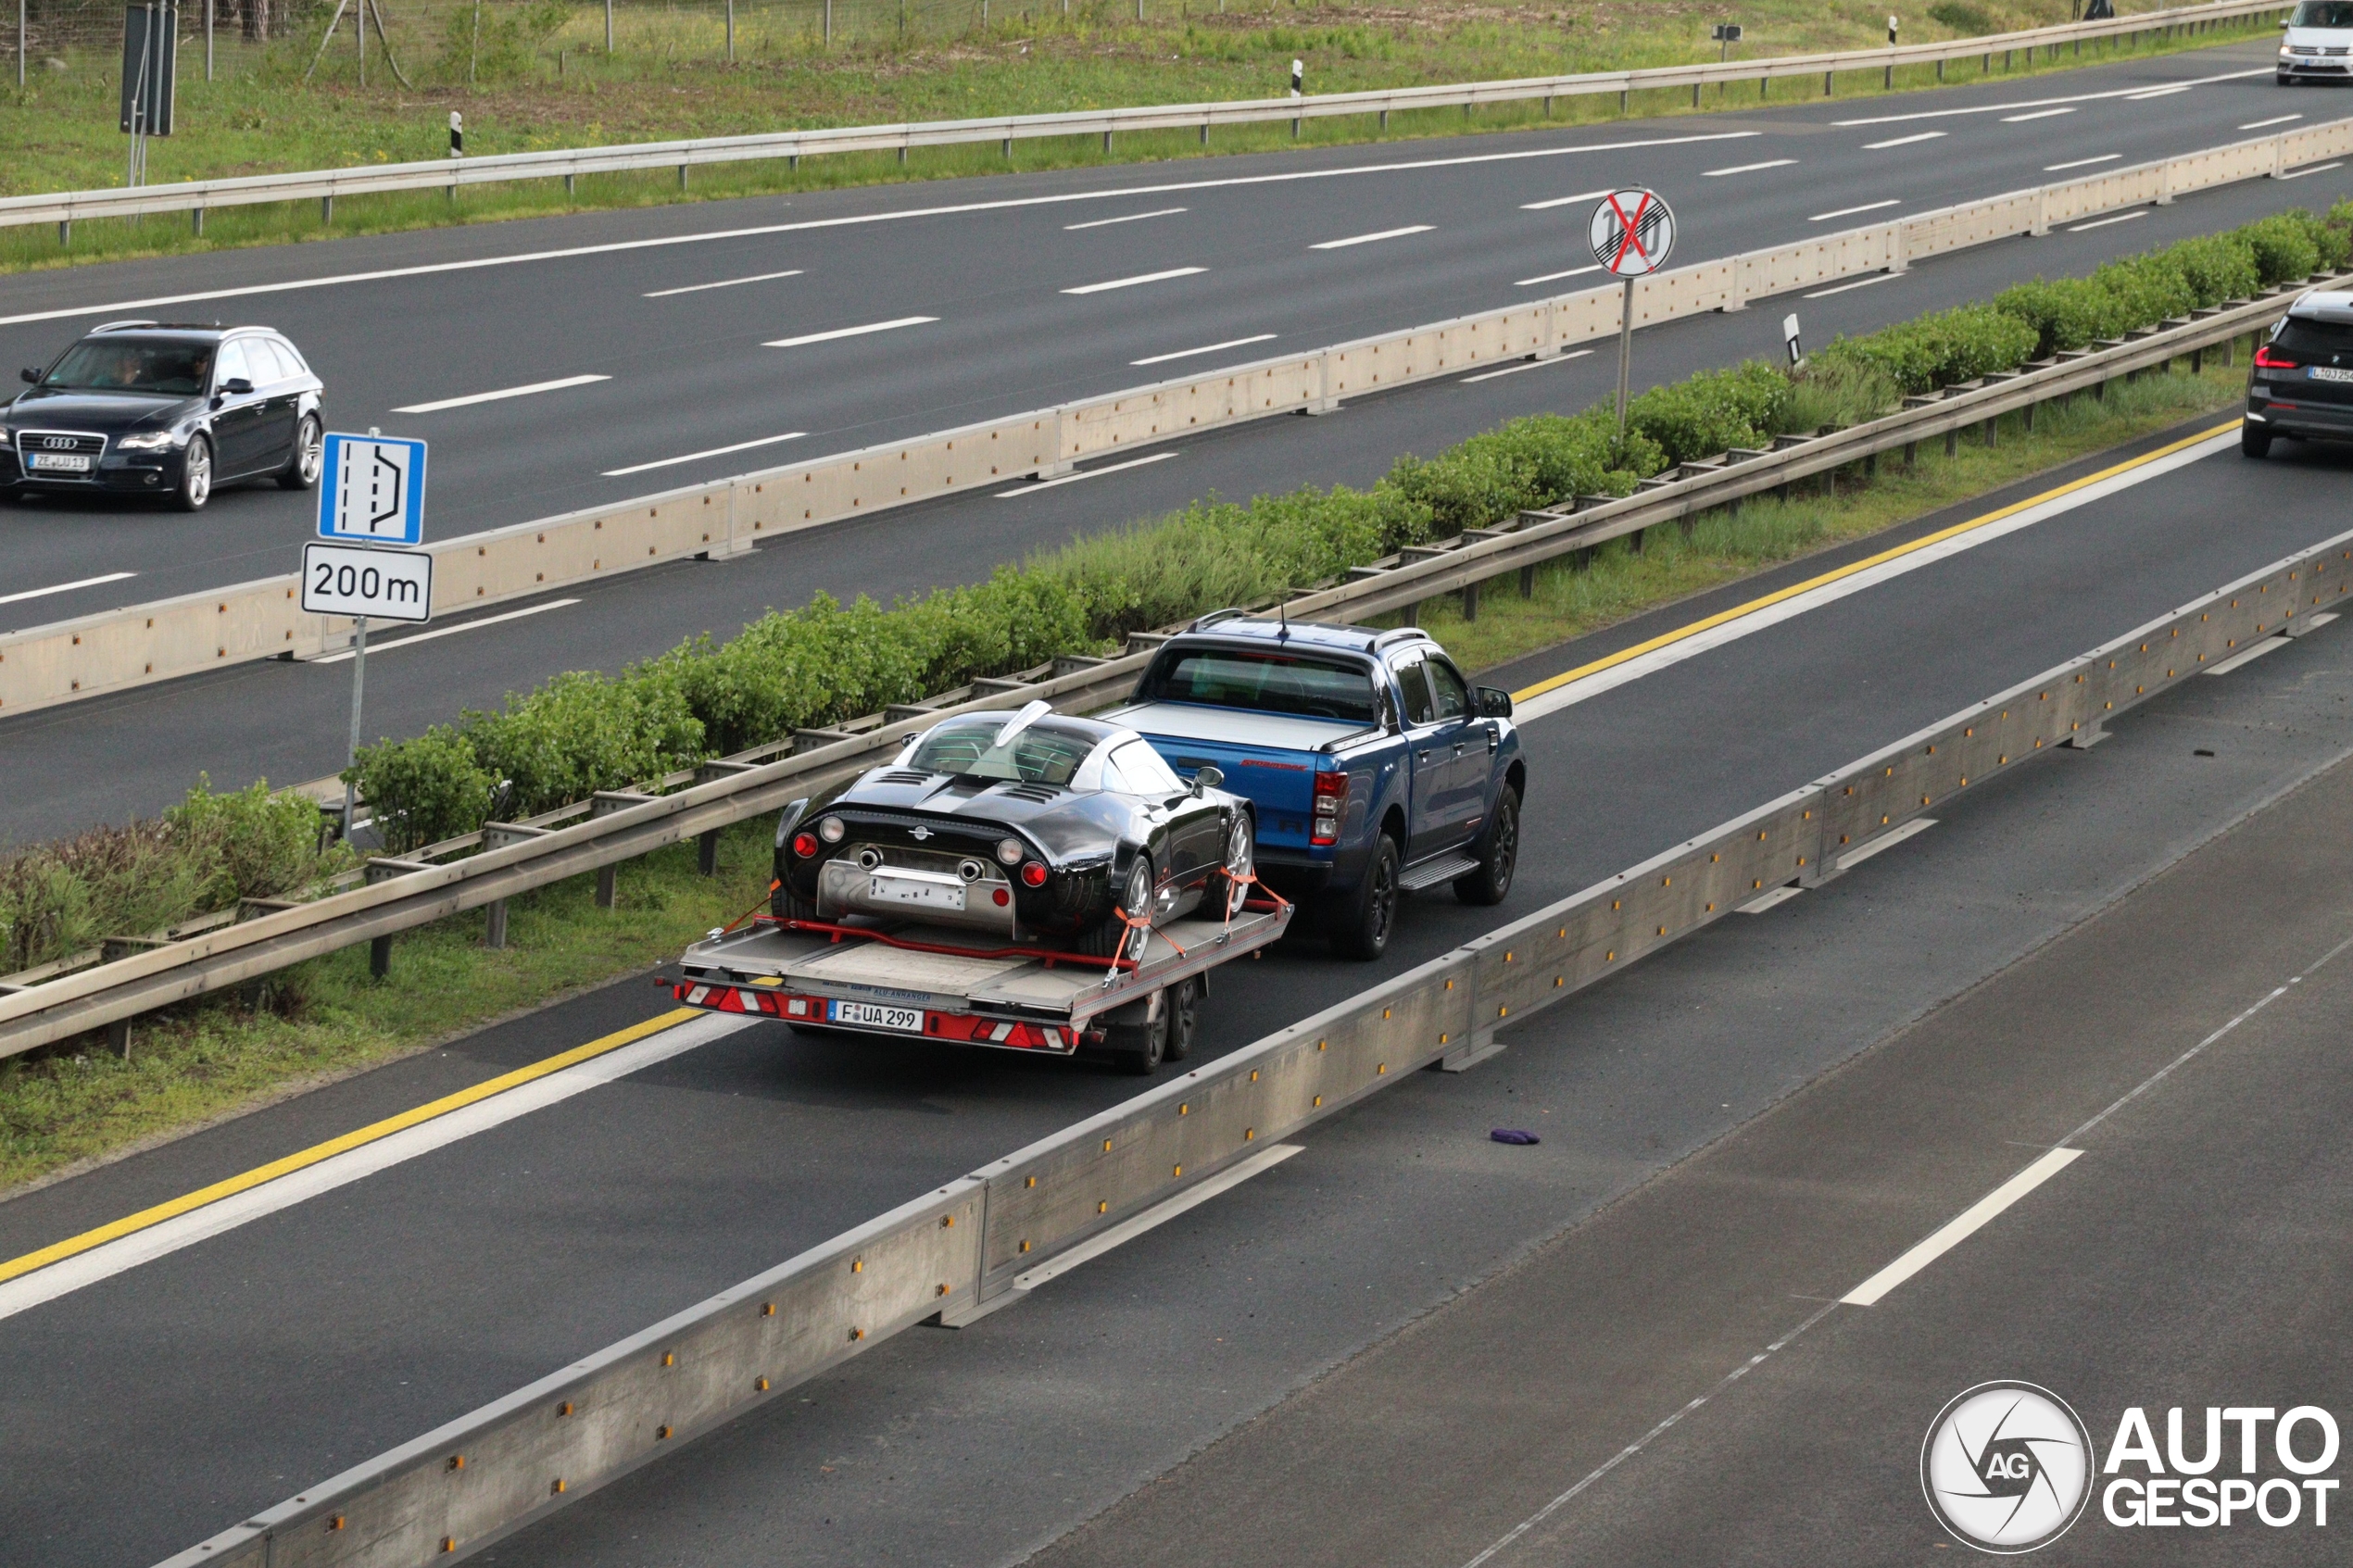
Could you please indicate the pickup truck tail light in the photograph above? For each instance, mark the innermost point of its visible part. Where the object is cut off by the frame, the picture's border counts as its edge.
(1331, 796)
(2270, 358)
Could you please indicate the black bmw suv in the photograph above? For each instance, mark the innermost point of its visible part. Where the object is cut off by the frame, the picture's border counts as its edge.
(2301, 386)
(150, 409)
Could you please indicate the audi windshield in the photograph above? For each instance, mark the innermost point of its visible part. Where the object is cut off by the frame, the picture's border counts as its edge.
(162, 370)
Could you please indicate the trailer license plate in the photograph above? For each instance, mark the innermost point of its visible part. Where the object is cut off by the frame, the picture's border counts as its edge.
(928, 891)
(2329, 372)
(66, 462)
(906, 1020)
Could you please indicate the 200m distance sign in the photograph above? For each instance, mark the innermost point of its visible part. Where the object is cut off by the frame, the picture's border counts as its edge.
(1632, 231)
(353, 580)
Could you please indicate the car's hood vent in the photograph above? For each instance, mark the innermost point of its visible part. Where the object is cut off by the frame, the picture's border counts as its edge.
(1038, 792)
(905, 776)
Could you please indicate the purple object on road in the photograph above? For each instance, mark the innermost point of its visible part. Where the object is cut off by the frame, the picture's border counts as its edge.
(1512, 1135)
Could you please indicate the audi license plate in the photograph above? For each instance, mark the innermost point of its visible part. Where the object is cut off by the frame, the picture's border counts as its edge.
(79, 462)
(906, 1020)
(918, 888)
(2330, 372)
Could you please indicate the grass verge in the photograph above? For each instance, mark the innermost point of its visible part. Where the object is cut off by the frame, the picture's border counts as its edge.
(260, 117)
(325, 1019)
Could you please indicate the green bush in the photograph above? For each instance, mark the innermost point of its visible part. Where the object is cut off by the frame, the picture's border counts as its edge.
(259, 844)
(422, 790)
(1939, 350)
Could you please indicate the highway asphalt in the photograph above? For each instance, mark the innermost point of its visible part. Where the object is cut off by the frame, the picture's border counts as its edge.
(372, 1312)
(112, 758)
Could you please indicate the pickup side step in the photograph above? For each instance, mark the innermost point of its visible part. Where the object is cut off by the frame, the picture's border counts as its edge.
(1430, 872)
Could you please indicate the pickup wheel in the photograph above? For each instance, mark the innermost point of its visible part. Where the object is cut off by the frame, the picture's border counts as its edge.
(1361, 929)
(1498, 852)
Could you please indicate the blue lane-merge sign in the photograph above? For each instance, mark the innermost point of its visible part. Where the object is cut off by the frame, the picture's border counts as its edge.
(373, 490)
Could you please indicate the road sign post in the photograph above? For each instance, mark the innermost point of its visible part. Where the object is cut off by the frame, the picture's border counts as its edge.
(1631, 233)
(372, 496)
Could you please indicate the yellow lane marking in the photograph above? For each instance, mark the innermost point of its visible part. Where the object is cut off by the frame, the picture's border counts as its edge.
(131, 1223)
(1667, 639)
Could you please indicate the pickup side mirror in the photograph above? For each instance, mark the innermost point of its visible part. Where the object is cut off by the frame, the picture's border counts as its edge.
(29, 373)
(1208, 777)
(1494, 703)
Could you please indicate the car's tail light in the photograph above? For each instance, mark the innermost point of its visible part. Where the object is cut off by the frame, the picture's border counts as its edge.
(1034, 874)
(804, 845)
(1331, 796)
(2270, 358)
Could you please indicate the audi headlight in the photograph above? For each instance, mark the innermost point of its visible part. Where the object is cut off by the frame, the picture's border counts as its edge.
(153, 441)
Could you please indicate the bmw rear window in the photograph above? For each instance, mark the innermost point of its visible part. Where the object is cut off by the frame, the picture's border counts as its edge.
(1268, 683)
(2304, 339)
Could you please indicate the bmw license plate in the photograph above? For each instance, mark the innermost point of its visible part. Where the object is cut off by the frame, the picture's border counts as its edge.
(79, 462)
(917, 889)
(2330, 372)
(906, 1020)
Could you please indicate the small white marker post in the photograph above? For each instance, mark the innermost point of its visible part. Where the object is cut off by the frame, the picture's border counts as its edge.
(372, 493)
(1788, 332)
(1631, 233)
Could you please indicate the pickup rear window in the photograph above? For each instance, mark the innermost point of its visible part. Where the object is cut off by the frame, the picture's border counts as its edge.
(1268, 682)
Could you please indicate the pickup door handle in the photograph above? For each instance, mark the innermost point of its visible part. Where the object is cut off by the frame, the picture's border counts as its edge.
(1422, 755)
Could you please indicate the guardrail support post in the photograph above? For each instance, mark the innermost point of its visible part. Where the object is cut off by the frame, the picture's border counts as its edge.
(1993, 427)
(119, 1037)
(1826, 82)
(199, 217)
(1953, 441)
(569, 187)
(1294, 131)
(1384, 115)
(706, 852)
(1528, 582)
(1470, 601)
(326, 210)
(605, 893)
(1694, 94)
(682, 176)
(494, 930)
(2026, 419)
(379, 958)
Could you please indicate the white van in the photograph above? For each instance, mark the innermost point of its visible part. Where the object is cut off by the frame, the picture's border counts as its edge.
(2319, 45)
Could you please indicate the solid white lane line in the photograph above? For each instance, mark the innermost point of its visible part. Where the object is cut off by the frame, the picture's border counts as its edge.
(1562, 201)
(2276, 119)
(2080, 162)
(2038, 114)
(1887, 840)
(2315, 169)
(2104, 223)
(1851, 211)
(1747, 167)
(1556, 277)
(1865, 284)
(1368, 239)
(1126, 218)
(1975, 1218)
(186, 1230)
(1159, 1214)
(2039, 103)
(1083, 473)
(1116, 193)
(723, 284)
(471, 398)
(1585, 687)
(1903, 141)
(1878, 277)
(64, 587)
(697, 457)
(850, 332)
(1205, 349)
(447, 630)
(1140, 277)
(1530, 365)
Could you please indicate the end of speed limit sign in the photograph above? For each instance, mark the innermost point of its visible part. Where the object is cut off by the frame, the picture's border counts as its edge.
(353, 580)
(1633, 231)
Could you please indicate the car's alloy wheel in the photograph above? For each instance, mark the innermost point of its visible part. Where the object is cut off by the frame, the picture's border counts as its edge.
(1498, 852)
(309, 456)
(1239, 847)
(1365, 935)
(196, 476)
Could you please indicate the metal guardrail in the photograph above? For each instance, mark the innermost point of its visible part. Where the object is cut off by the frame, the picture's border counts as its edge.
(197, 197)
(114, 650)
(964, 1247)
(411, 894)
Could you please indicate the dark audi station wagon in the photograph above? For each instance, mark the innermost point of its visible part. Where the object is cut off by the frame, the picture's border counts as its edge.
(149, 409)
(2301, 386)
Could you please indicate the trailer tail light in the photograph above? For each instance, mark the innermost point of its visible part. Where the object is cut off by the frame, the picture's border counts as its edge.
(2270, 358)
(804, 845)
(1331, 796)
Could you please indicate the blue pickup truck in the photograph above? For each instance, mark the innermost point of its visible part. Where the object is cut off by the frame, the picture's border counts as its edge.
(1375, 768)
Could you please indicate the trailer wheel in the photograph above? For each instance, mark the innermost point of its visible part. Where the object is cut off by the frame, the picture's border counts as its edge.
(1138, 1049)
(1183, 1012)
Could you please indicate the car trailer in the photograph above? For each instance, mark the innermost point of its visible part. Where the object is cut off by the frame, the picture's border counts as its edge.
(919, 982)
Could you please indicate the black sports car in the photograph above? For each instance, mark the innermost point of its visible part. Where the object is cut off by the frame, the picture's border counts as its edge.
(1031, 825)
(142, 408)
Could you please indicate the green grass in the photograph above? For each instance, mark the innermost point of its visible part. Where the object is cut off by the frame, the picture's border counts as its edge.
(662, 83)
(327, 1017)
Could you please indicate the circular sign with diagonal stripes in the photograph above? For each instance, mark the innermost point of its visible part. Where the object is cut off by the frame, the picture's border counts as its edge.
(1632, 231)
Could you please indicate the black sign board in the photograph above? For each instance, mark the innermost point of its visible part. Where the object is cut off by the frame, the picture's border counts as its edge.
(150, 53)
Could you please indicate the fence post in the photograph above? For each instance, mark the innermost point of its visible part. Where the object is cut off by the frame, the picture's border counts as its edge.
(208, 41)
(829, 24)
(731, 31)
(609, 22)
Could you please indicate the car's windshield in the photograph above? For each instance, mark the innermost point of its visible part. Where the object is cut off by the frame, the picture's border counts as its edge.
(1044, 753)
(171, 370)
(2302, 339)
(1270, 682)
(2324, 13)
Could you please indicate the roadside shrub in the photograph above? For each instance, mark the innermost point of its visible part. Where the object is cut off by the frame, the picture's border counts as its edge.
(2285, 246)
(259, 844)
(1712, 412)
(582, 732)
(422, 790)
(1939, 350)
